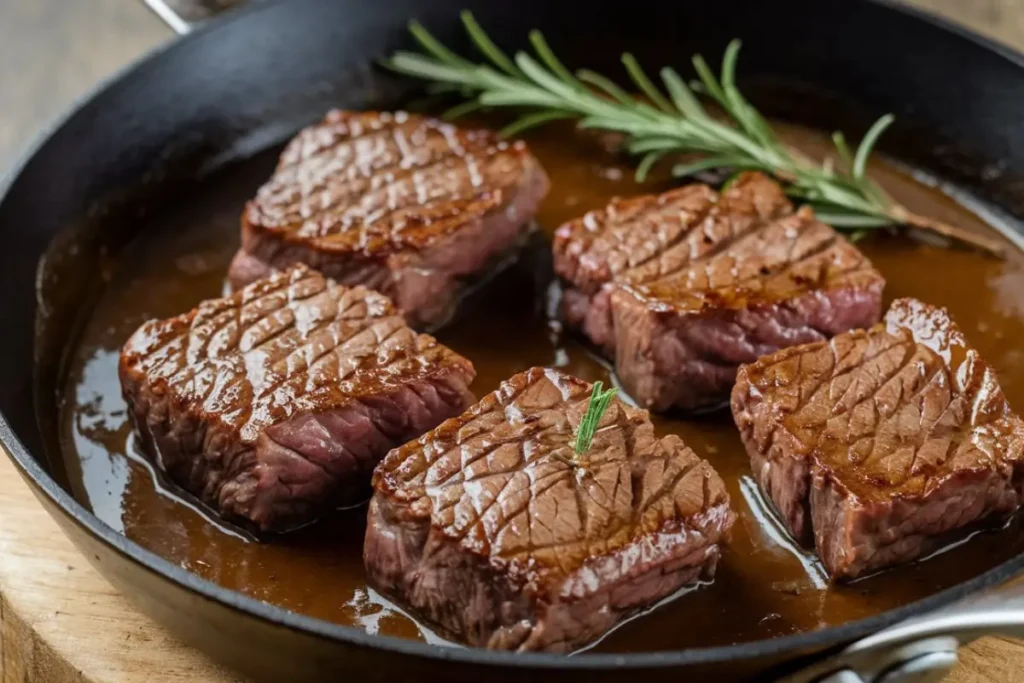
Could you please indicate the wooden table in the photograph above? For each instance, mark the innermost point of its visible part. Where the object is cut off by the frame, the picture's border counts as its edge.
(59, 621)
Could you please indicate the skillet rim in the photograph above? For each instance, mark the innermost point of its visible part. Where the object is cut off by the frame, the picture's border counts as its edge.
(799, 644)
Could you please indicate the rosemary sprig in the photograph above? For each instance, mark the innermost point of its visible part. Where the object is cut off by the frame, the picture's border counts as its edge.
(670, 122)
(596, 407)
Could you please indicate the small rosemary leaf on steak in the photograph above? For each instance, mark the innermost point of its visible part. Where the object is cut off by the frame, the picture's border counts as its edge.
(598, 404)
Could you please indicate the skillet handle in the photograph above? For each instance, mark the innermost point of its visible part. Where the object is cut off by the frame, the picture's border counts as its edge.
(185, 15)
(923, 649)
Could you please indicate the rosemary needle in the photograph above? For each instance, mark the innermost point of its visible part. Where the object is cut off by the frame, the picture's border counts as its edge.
(596, 407)
(667, 122)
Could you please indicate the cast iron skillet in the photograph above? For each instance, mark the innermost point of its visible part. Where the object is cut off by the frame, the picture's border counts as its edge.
(244, 83)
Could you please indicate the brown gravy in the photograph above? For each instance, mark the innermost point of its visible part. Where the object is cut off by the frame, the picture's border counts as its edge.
(764, 587)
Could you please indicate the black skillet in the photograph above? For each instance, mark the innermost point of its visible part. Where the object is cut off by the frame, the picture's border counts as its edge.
(246, 82)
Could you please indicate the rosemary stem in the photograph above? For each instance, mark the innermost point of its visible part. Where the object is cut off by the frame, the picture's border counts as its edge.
(573, 463)
(785, 175)
(901, 215)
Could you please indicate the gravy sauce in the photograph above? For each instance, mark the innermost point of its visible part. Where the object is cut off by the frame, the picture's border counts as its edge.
(765, 586)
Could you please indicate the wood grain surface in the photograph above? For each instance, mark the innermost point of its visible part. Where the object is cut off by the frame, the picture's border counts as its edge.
(59, 621)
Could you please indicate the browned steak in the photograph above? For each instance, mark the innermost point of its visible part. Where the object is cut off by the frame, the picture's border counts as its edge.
(403, 204)
(482, 529)
(683, 287)
(873, 444)
(275, 403)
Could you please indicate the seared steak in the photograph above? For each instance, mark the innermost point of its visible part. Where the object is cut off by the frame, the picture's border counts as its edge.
(875, 443)
(683, 287)
(484, 529)
(275, 403)
(405, 205)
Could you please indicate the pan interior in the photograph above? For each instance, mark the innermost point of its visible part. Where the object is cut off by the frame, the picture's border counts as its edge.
(171, 258)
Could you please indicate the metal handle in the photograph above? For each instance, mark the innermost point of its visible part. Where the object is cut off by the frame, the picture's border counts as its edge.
(924, 648)
(185, 15)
